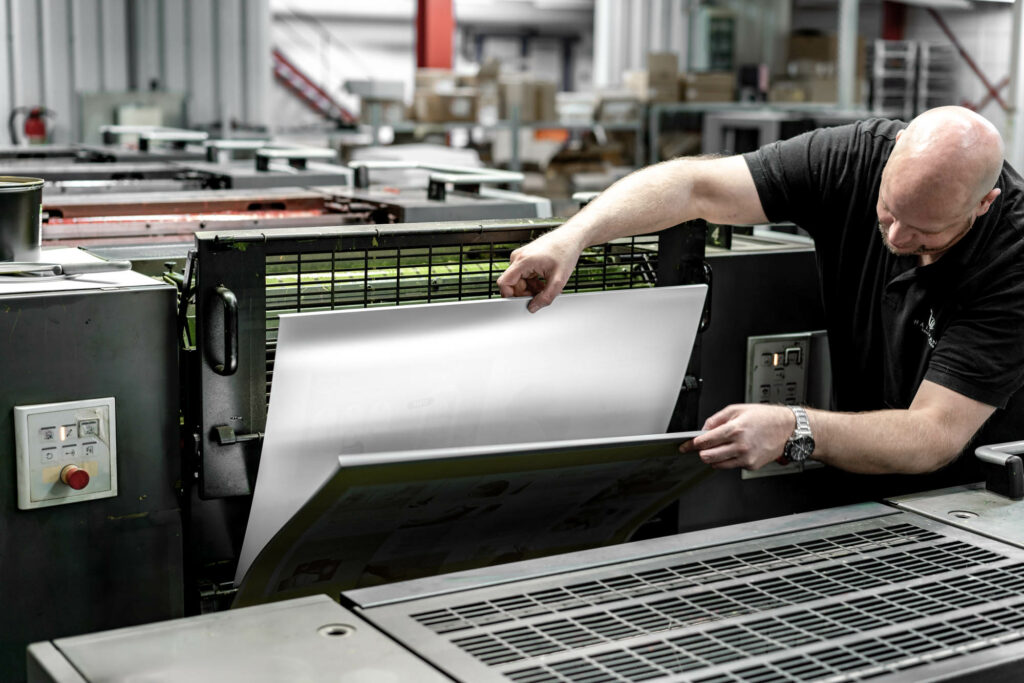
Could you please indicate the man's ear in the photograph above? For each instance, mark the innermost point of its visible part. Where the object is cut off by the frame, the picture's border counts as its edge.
(987, 200)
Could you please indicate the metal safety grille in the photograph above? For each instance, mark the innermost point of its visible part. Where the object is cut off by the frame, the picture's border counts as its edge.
(882, 598)
(395, 276)
(673, 577)
(896, 650)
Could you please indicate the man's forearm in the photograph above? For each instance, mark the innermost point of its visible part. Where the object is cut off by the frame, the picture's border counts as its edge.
(654, 198)
(883, 441)
(720, 190)
(648, 200)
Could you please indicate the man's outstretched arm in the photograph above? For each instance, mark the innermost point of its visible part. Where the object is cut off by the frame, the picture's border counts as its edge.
(936, 427)
(719, 190)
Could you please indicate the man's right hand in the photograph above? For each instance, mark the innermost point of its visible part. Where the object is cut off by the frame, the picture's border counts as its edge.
(540, 269)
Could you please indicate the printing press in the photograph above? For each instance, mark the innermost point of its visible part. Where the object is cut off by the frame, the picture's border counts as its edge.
(154, 228)
(924, 588)
(235, 287)
(111, 352)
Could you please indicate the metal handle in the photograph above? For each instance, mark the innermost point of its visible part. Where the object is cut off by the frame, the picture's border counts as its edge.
(1004, 469)
(230, 303)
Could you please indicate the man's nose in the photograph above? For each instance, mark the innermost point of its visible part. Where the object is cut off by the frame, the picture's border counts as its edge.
(898, 235)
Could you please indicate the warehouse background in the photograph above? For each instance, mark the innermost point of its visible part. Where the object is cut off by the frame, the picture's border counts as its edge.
(217, 53)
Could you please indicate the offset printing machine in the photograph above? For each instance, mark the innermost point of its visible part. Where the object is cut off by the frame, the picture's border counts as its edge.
(103, 343)
(241, 282)
(90, 519)
(926, 588)
(151, 228)
(150, 173)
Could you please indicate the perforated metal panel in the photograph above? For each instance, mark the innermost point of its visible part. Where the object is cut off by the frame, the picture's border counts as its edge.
(897, 597)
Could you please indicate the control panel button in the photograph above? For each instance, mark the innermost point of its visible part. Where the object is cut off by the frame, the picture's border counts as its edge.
(75, 477)
(65, 452)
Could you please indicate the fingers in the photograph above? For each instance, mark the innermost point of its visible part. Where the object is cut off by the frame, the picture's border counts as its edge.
(734, 438)
(720, 418)
(546, 293)
(512, 283)
(523, 278)
(541, 269)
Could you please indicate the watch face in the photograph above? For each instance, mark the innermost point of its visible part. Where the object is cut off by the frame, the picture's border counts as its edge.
(799, 448)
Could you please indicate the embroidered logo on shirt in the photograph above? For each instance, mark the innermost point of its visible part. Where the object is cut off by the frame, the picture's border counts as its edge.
(928, 328)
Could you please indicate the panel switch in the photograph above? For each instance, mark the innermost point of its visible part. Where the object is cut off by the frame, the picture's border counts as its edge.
(794, 355)
(75, 477)
(65, 452)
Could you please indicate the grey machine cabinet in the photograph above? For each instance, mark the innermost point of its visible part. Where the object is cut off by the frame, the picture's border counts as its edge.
(109, 562)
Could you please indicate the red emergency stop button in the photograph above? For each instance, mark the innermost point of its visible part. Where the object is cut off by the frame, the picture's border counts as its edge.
(75, 477)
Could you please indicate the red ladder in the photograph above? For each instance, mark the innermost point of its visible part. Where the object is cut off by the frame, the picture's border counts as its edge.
(314, 97)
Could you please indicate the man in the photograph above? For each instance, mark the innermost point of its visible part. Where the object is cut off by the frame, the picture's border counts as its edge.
(925, 319)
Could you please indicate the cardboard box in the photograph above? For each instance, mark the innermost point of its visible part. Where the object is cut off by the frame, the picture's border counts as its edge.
(804, 50)
(639, 83)
(489, 70)
(787, 91)
(662, 67)
(518, 92)
(544, 106)
(821, 89)
(816, 48)
(458, 106)
(708, 86)
(618, 108)
(435, 80)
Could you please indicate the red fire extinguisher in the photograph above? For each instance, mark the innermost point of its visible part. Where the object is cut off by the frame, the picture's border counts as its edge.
(34, 127)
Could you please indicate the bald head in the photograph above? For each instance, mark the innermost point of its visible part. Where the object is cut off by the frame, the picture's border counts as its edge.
(939, 178)
(948, 153)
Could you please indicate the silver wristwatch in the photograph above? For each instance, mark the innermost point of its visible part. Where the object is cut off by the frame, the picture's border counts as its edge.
(800, 445)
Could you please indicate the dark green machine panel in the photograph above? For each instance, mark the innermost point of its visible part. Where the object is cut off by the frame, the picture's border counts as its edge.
(106, 563)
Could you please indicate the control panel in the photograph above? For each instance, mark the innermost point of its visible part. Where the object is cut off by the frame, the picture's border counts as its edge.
(777, 370)
(66, 452)
(788, 369)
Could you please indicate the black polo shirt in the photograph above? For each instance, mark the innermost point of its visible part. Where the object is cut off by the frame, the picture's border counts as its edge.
(958, 322)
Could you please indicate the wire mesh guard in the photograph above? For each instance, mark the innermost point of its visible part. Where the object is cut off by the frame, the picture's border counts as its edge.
(882, 600)
(377, 277)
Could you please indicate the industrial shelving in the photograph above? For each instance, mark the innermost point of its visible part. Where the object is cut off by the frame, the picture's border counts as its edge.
(936, 75)
(908, 77)
(893, 77)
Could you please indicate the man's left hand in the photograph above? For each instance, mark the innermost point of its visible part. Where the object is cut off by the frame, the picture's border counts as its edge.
(744, 435)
